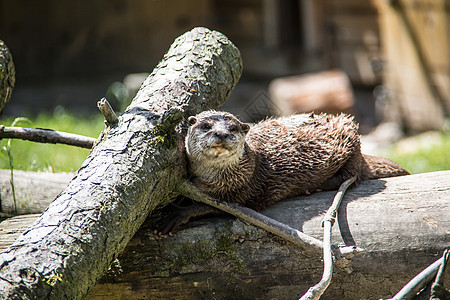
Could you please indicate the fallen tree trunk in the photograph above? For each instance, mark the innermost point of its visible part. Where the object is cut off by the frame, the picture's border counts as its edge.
(403, 223)
(130, 172)
(34, 191)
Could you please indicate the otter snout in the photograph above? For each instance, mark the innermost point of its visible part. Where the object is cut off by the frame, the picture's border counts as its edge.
(221, 143)
(221, 135)
(221, 139)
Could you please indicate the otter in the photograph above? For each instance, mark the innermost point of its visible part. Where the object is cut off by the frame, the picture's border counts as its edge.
(273, 160)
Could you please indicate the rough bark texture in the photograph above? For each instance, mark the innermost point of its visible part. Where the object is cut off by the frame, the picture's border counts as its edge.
(402, 222)
(129, 173)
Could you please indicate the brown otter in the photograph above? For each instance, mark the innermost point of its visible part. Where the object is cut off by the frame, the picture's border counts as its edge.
(273, 160)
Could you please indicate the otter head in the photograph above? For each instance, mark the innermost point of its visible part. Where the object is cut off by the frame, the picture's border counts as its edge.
(215, 139)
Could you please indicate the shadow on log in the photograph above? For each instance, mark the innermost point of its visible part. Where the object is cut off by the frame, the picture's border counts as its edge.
(402, 222)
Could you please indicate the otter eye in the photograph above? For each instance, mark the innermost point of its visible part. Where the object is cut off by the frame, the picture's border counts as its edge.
(233, 128)
(205, 127)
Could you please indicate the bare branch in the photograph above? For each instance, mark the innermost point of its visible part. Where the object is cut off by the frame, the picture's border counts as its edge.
(437, 288)
(46, 136)
(420, 281)
(297, 237)
(187, 189)
(330, 217)
(107, 111)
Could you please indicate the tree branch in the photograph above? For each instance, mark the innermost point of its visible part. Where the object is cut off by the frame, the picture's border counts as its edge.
(187, 189)
(316, 291)
(40, 135)
(421, 280)
(46, 136)
(437, 288)
(297, 237)
(107, 111)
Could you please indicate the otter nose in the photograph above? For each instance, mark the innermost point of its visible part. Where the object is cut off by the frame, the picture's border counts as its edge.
(221, 135)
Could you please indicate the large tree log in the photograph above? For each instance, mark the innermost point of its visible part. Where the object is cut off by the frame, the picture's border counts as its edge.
(402, 222)
(34, 191)
(129, 173)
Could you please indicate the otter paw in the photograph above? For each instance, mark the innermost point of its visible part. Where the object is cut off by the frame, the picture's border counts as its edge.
(169, 225)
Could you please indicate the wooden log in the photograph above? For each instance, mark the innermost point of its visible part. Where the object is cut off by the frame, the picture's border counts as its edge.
(12, 228)
(402, 222)
(328, 92)
(34, 191)
(130, 172)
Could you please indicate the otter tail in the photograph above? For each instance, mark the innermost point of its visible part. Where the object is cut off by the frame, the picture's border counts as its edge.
(379, 167)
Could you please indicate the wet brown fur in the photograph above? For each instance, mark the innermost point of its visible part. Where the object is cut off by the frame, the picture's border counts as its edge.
(275, 159)
(281, 160)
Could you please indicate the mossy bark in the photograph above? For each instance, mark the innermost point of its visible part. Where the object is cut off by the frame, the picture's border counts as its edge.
(130, 172)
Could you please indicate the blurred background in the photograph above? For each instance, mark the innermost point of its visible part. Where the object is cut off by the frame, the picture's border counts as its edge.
(386, 62)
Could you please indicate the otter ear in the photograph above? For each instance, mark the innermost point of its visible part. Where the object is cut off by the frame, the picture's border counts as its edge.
(192, 120)
(245, 127)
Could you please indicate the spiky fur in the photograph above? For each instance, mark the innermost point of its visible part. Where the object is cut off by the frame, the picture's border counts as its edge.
(275, 159)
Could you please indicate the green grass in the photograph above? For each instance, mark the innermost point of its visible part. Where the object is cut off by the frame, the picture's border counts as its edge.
(31, 156)
(423, 153)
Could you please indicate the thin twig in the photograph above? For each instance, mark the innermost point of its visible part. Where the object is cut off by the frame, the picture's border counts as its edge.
(437, 288)
(46, 136)
(418, 282)
(330, 217)
(187, 189)
(297, 237)
(57, 137)
(107, 111)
